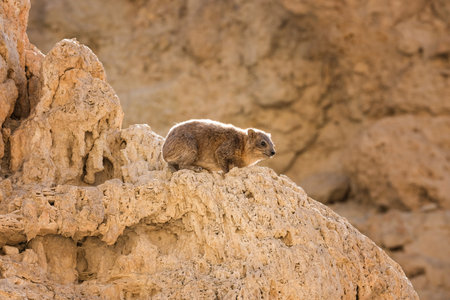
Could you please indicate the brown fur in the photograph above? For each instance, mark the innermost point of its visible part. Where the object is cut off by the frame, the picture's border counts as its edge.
(206, 144)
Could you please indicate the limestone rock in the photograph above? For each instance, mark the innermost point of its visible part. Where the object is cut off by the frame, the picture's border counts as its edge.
(76, 112)
(13, 18)
(403, 162)
(413, 239)
(56, 256)
(14, 43)
(8, 96)
(323, 77)
(326, 187)
(90, 211)
(8, 250)
(246, 234)
(19, 67)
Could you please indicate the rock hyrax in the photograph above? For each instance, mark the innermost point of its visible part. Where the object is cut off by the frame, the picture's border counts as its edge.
(214, 146)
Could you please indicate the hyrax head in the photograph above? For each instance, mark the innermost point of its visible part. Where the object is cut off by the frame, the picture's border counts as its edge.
(259, 145)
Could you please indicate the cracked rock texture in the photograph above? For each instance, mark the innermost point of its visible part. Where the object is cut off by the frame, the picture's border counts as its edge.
(89, 210)
(355, 93)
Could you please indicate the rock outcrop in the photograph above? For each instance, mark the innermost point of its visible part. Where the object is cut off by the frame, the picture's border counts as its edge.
(90, 211)
(355, 93)
(67, 131)
(412, 159)
(250, 234)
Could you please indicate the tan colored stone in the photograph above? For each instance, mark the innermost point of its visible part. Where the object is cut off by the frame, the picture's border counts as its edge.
(98, 215)
(326, 187)
(403, 162)
(3, 69)
(52, 145)
(14, 42)
(9, 250)
(57, 257)
(33, 62)
(142, 231)
(413, 239)
(8, 96)
(442, 9)
(14, 85)
(155, 236)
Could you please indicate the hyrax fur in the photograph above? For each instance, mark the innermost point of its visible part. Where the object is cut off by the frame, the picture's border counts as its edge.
(214, 146)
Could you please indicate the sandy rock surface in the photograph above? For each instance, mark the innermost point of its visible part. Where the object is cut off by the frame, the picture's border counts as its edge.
(197, 235)
(402, 178)
(76, 112)
(90, 211)
(355, 93)
(416, 240)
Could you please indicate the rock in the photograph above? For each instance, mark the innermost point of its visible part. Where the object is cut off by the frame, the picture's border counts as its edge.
(413, 239)
(52, 145)
(57, 257)
(8, 96)
(33, 62)
(14, 43)
(14, 85)
(94, 209)
(403, 162)
(8, 250)
(326, 187)
(442, 9)
(158, 237)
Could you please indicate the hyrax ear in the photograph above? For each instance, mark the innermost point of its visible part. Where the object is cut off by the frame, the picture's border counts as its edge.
(251, 133)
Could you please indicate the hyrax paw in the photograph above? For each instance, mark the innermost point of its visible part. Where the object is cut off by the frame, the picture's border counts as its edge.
(196, 169)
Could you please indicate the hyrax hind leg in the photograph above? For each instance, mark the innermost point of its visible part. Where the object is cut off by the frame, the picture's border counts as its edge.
(181, 152)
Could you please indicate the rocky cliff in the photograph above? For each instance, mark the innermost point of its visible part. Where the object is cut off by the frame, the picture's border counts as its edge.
(355, 94)
(90, 210)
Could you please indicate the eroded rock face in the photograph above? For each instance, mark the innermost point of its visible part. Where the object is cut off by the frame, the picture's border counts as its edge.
(76, 113)
(14, 17)
(355, 93)
(248, 234)
(403, 162)
(90, 211)
(413, 239)
(14, 45)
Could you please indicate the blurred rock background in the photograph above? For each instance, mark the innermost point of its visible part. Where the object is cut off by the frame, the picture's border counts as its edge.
(356, 95)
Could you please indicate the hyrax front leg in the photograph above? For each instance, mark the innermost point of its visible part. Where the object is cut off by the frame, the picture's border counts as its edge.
(224, 154)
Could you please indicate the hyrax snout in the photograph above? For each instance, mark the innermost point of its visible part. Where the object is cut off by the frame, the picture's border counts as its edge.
(214, 146)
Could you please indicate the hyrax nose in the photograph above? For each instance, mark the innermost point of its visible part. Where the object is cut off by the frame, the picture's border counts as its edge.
(272, 153)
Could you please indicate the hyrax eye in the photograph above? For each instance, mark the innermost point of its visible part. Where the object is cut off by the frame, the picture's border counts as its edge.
(263, 143)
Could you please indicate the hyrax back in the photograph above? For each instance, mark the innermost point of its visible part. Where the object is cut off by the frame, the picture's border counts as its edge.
(211, 145)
